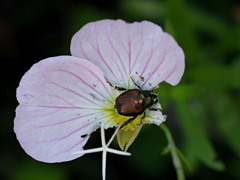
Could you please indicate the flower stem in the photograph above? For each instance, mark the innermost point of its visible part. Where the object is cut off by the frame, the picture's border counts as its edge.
(176, 161)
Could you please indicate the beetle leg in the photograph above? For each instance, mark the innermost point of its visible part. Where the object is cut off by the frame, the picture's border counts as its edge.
(120, 88)
(135, 82)
(128, 121)
(155, 109)
(116, 87)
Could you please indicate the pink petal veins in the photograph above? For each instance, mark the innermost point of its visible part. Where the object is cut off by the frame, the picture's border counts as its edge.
(61, 100)
(121, 49)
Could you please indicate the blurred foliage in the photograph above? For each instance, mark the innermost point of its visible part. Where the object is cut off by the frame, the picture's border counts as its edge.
(30, 171)
(203, 110)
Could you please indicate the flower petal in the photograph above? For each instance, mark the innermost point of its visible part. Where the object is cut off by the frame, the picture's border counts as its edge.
(121, 49)
(155, 117)
(61, 102)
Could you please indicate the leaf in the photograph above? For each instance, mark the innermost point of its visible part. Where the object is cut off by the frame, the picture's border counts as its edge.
(178, 15)
(196, 136)
(143, 9)
(127, 137)
(226, 117)
(169, 28)
(216, 76)
(227, 36)
(38, 171)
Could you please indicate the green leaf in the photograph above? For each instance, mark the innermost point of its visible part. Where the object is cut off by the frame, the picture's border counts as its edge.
(177, 14)
(170, 28)
(227, 36)
(183, 159)
(143, 9)
(39, 171)
(186, 91)
(196, 136)
(216, 76)
(226, 117)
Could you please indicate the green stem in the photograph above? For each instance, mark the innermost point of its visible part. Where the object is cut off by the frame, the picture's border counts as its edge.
(176, 161)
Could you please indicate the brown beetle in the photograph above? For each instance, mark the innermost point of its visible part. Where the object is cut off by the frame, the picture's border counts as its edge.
(134, 102)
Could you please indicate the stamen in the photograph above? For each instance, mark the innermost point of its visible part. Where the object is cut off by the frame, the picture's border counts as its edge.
(113, 136)
(104, 149)
(87, 151)
(114, 151)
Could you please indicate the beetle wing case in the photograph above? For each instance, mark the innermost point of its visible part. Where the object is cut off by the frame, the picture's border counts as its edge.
(127, 103)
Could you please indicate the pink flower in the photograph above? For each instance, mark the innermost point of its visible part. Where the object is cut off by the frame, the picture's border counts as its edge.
(64, 99)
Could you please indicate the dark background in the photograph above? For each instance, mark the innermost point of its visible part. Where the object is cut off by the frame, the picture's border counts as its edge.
(203, 110)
